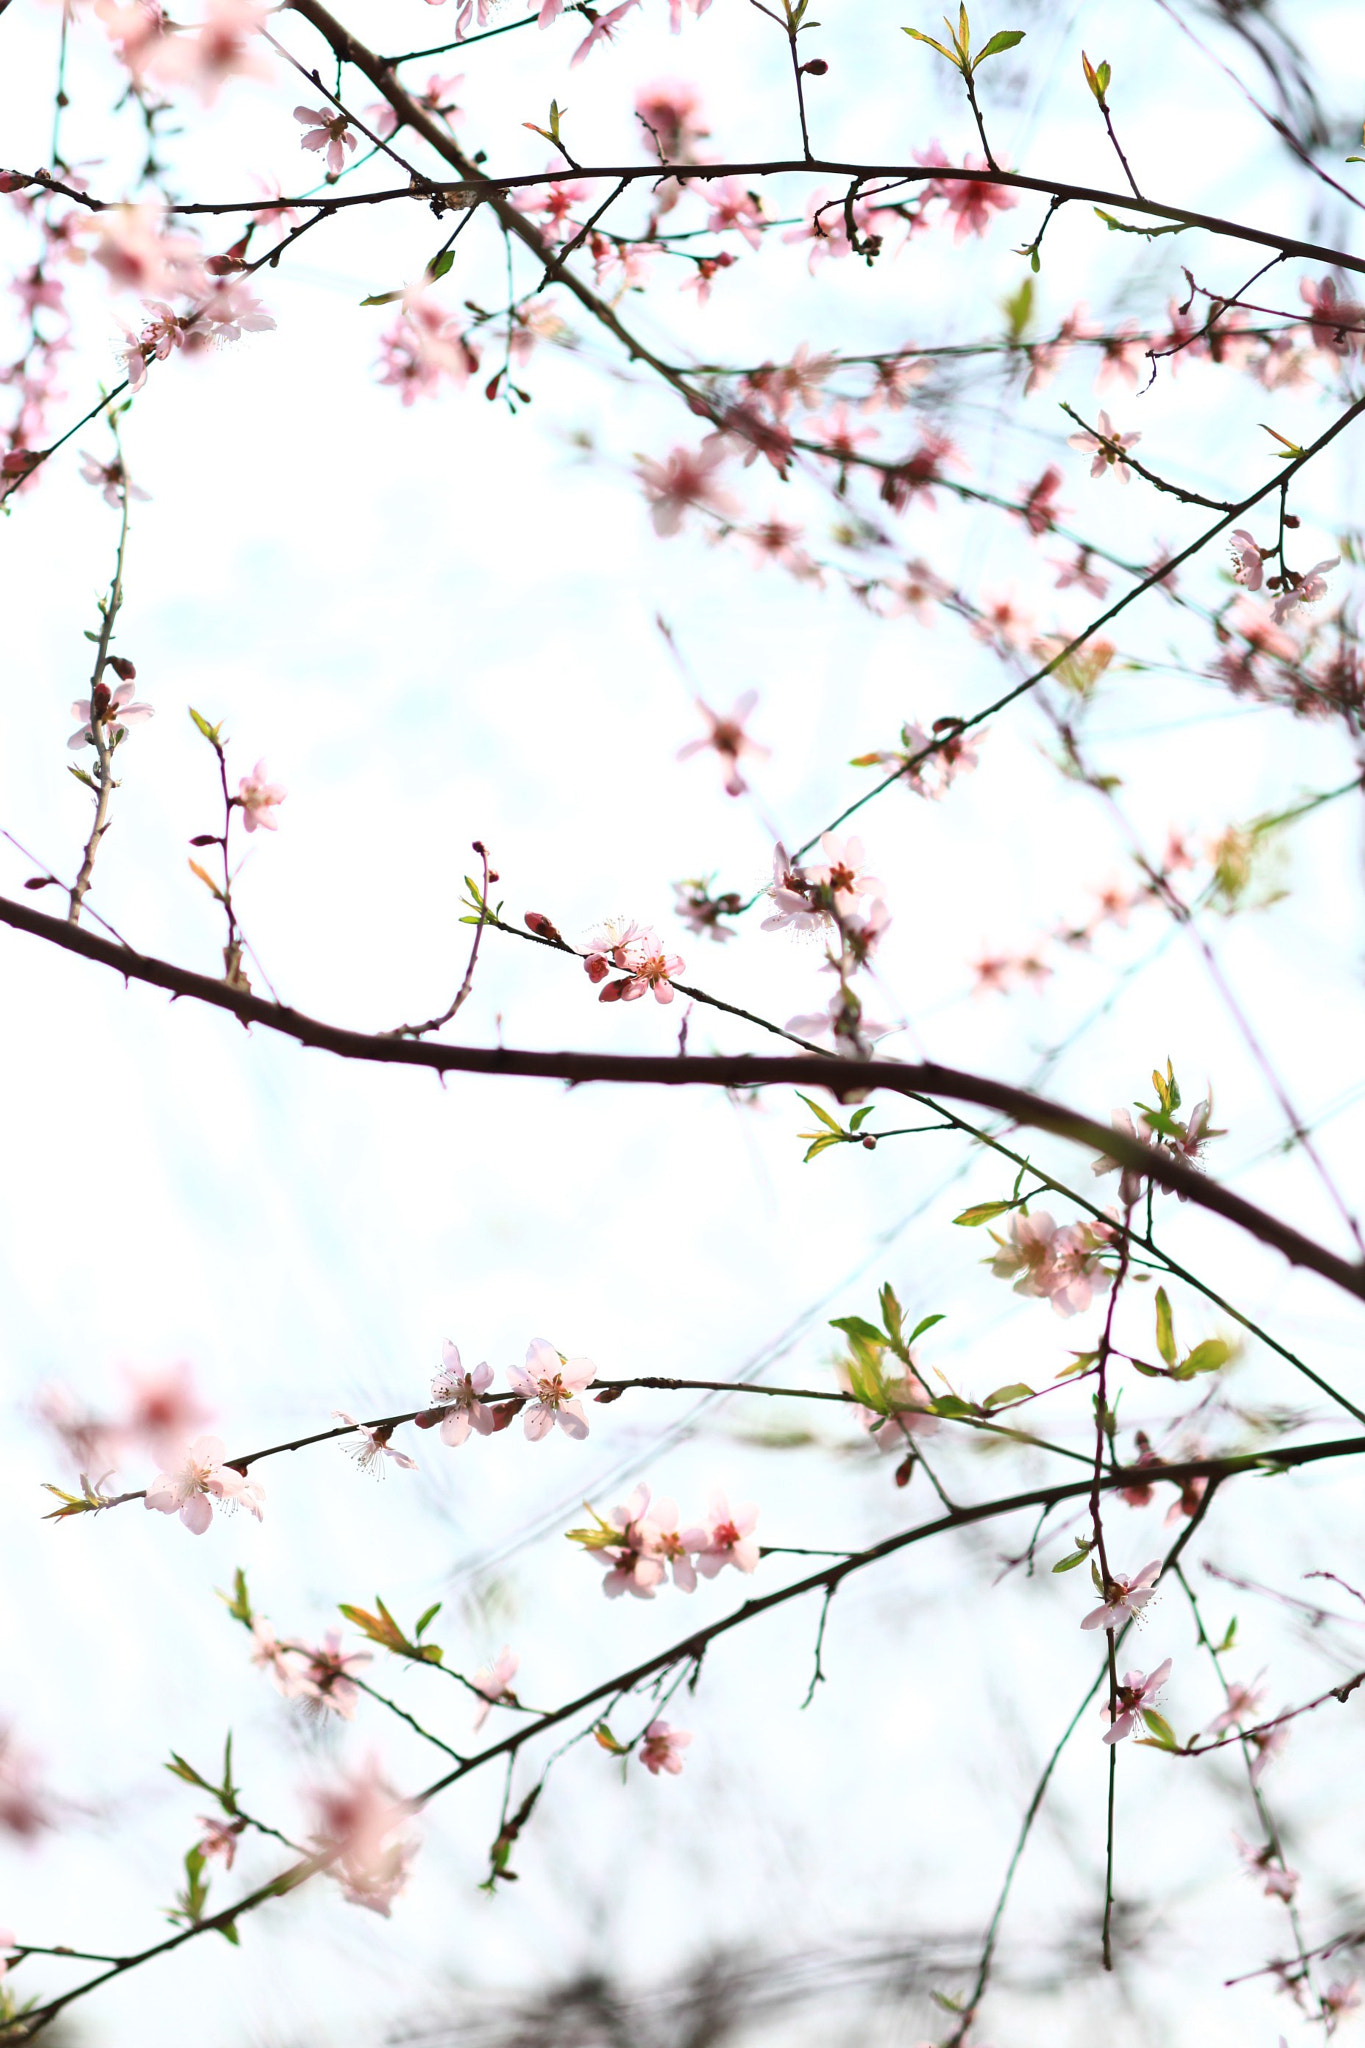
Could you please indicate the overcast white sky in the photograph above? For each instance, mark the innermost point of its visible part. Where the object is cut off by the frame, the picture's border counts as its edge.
(437, 625)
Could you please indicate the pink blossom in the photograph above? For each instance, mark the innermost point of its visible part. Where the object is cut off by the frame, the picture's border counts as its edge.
(1040, 509)
(1107, 447)
(493, 1682)
(220, 1838)
(110, 478)
(1004, 624)
(603, 30)
(1081, 572)
(113, 710)
(1335, 324)
(1130, 1178)
(551, 1383)
(685, 480)
(632, 1564)
(1061, 1266)
(1280, 1882)
(424, 346)
(615, 943)
(662, 1748)
(219, 50)
(826, 228)
(732, 207)
(1247, 564)
(269, 1654)
(773, 540)
(669, 109)
(1340, 1997)
(165, 1408)
(323, 1678)
(227, 313)
(1121, 358)
(1134, 1695)
(358, 1819)
(24, 1807)
(844, 875)
(136, 28)
(462, 1389)
(158, 337)
(653, 969)
(327, 130)
(841, 438)
(91, 1443)
(259, 799)
(374, 1446)
(1304, 589)
(972, 202)
(729, 1539)
(729, 739)
(132, 246)
(909, 1415)
(1244, 1702)
(201, 1479)
(675, 1545)
(1124, 1598)
(33, 290)
(792, 895)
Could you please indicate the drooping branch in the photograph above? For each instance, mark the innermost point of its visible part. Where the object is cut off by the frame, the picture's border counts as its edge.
(844, 1078)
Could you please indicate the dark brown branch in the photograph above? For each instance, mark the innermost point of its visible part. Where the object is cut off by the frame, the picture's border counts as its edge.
(843, 1078)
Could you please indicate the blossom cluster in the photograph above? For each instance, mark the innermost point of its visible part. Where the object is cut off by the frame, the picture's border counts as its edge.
(1061, 1266)
(638, 1545)
(638, 956)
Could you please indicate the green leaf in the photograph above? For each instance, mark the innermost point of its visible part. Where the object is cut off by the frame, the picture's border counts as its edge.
(81, 775)
(382, 298)
(982, 1212)
(918, 35)
(1160, 1728)
(925, 1323)
(892, 1313)
(823, 1114)
(229, 1933)
(428, 1617)
(857, 1326)
(856, 1120)
(1207, 1357)
(1018, 310)
(1069, 1564)
(439, 265)
(1229, 1639)
(1003, 39)
(210, 732)
(812, 1151)
(951, 1406)
(178, 1768)
(1015, 1392)
(239, 1606)
(1165, 1327)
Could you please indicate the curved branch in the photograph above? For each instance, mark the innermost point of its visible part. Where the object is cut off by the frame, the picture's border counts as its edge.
(844, 1078)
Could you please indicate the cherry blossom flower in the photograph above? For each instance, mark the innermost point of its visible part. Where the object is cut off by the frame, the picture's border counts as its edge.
(226, 314)
(675, 1545)
(424, 346)
(668, 109)
(493, 1682)
(1124, 1598)
(1134, 1695)
(702, 912)
(662, 1748)
(270, 1654)
(1107, 447)
(159, 336)
(729, 1539)
(1080, 572)
(1340, 1997)
(1040, 509)
(24, 1807)
(1247, 562)
(1244, 1702)
(462, 1389)
(729, 739)
(603, 30)
(357, 1821)
(551, 1384)
(91, 1443)
(110, 478)
(1130, 1179)
(844, 874)
(773, 540)
(259, 799)
(1335, 324)
(132, 246)
(219, 50)
(113, 710)
(685, 481)
(652, 968)
(136, 29)
(329, 130)
(165, 1408)
(1266, 1863)
(1060, 1266)
(615, 943)
(759, 435)
(732, 207)
(791, 893)
(632, 1564)
(220, 1838)
(201, 1479)
(971, 203)
(374, 1446)
(1304, 589)
(323, 1677)
(1122, 356)
(844, 1022)
(383, 120)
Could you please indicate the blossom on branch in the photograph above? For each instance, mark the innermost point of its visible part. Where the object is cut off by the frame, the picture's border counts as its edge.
(662, 1748)
(729, 1539)
(1134, 1696)
(220, 49)
(1060, 1266)
(200, 1479)
(259, 799)
(493, 1682)
(329, 130)
(374, 1445)
(358, 1820)
(461, 1390)
(1268, 1866)
(1108, 449)
(685, 481)
(110, 478)
(552, 1383)
(322, 1679)
(1124, 1598)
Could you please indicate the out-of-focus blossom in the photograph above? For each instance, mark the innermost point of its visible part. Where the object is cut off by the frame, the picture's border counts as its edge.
(424, 346)
(374, 1446)
(649, 967)
(669, 109)
(164, 1407)
(792, 893)
(1108, 449)
(1040, 509)
(461, 1390)
(1081, 573)
(729, 739)
(662, 1748)
(702, 912)
(910, 1414)
(24, 1807)
(110, 478)
(132, 245)
(135, 27)
(603, 30)
(225, 313)
(1134, 1695)
(733, 207)
(844, 874)
(1060, 1266)
(93, 1444)
(551, 1384)
(632, 1563)
(972, 203)
(1336, 324)
(1130, 1178)
(1340, 1997)
(1244, 1703)
(1124, 1598)
(191, 1489)
(259, 799)
(729, 1538)
(322, 1677)
(1267, 1743)
(493, 1683)
(686, 480)
(329, 130)
(358, 1820)
(220, 1838)
(1122, 356)
(268, 1653)
(221, 48)
(1305, 589)
(1269, 1868)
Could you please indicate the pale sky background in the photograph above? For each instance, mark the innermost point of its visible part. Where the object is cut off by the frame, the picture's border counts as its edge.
(436, 625)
